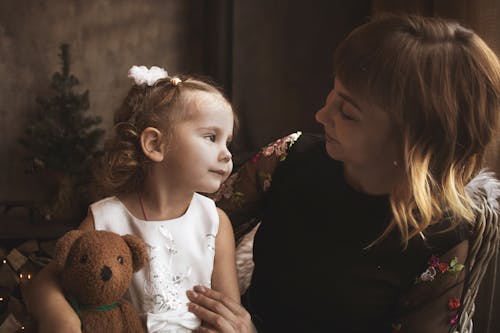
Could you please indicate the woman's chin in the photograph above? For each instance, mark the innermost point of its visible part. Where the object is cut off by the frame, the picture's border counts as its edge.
(332, 149)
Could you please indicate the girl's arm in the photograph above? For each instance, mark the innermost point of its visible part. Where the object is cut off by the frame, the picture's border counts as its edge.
(220, 307)
(45, 299)
(224, 278)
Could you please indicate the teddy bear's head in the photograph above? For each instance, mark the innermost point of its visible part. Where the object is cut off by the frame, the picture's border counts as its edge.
(97, 266)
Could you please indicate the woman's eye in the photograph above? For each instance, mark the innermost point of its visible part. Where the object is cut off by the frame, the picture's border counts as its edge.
(84, 259)
(345, 115)
(210, 137)
(120, 260)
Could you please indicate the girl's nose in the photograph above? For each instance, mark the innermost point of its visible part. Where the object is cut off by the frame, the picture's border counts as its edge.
(226, 155)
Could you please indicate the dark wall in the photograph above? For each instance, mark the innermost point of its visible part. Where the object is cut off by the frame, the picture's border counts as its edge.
(282, 62)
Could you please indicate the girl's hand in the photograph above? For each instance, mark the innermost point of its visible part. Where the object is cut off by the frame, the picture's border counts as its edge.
(59, 325)
(219, 313)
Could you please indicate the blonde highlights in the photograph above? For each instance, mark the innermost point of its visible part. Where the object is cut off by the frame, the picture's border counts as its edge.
(440, 83)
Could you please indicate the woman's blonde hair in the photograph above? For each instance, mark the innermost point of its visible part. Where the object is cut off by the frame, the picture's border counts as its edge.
(124, 165)
(440, 83)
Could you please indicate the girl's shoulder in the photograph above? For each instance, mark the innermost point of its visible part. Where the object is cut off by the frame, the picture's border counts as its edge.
(111, 201)
(107, 200)
(107, 207)
(203, 199)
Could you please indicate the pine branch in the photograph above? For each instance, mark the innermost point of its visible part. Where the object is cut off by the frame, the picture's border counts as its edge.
(60, 136)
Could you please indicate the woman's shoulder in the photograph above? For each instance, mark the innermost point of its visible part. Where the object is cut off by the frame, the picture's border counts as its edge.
(484, 191)
(302, 142)
(445, 235)
(308, 153)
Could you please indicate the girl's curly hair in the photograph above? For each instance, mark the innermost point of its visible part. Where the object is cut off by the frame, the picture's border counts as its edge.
(123, 166)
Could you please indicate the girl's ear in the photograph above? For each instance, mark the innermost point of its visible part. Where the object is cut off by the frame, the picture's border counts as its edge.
(151, 144)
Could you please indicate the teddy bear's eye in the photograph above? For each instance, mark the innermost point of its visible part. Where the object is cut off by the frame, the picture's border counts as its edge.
(84, 259)
(120, 260)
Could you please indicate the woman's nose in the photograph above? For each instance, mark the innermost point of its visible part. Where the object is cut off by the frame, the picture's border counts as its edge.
(319, 116)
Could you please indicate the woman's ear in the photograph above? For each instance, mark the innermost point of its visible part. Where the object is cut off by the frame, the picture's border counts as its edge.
(151, 144)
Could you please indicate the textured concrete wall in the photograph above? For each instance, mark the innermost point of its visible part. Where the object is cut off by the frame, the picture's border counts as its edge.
(106, 37)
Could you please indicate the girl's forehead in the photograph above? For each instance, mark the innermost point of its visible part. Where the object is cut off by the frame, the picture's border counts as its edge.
(200, 98)
(200, 101)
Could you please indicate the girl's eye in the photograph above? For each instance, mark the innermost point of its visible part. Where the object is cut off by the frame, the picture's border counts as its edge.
(210, 137)
(120, 260)
(84, 259)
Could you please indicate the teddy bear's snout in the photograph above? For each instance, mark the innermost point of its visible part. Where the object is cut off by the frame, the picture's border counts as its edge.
(106, 273)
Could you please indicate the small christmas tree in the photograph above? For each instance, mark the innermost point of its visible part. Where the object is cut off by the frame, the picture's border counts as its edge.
(60, 137)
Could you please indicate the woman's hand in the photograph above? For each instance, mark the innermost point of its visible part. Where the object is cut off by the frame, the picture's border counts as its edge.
(219, 313)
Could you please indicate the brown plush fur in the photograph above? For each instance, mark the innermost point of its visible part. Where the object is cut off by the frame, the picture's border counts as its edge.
(96, 270)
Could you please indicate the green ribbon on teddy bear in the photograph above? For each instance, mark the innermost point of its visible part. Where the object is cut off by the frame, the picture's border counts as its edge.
(81, 307)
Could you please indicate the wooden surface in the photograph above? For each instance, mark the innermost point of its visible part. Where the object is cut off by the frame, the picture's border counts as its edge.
(21, 228)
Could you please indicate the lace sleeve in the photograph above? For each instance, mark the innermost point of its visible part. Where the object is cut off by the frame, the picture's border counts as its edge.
(241, 196)
(433, 303)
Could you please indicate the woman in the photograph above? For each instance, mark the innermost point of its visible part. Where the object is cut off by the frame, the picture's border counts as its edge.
(367, 228)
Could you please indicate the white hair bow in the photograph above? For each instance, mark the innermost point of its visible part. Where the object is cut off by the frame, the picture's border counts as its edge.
(141, 74)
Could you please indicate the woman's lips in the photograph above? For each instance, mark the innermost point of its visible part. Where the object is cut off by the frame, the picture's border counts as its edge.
(330, 139)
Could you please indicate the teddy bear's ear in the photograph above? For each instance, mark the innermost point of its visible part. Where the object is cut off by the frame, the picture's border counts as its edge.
(138, 249)
(64, 244)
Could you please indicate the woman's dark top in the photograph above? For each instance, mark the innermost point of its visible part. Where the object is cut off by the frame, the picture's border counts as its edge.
(314, 268)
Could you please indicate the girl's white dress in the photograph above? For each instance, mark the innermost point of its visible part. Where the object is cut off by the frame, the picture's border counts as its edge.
(181, 255)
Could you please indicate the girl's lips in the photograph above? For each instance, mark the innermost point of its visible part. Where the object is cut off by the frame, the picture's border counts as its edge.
(219, 172)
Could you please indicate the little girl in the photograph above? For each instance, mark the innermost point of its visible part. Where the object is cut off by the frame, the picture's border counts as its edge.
(171, 138)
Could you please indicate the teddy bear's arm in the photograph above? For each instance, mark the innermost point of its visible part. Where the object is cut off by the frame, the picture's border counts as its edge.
(131, 321)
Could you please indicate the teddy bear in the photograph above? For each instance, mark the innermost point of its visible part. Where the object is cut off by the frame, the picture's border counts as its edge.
(96, 269)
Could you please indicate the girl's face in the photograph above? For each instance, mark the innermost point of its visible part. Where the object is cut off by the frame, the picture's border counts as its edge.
(357, 133)
(198, 158)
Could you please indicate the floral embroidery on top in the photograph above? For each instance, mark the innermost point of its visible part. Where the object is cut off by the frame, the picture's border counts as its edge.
(454, 304)
(455, 267)
(227, 191)
(266, 179)
(428, 275)
(162, 286)
(396, 327)
(436, 266)
(279, 147)
(211, 242)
